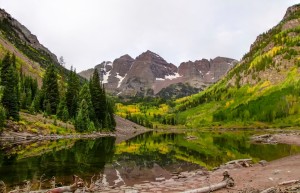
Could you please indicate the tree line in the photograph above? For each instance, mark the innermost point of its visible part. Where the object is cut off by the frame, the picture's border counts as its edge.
(86, 104)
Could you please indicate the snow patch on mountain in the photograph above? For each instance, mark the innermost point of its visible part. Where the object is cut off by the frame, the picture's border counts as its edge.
(171, 77)
(121, 78)
(105, 77)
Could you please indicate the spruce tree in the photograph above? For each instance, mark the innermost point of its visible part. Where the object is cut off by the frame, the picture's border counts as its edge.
(96, 98)
(50, 90)
(9, 81)
(62, 110)
(102, 107)
(72, 93)
(2, 117)
(82, 121)
(86, 95)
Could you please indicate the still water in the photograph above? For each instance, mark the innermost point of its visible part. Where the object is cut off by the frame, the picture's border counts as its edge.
(144, 157)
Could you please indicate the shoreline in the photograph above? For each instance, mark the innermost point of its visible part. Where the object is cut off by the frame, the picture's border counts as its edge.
(258, 176)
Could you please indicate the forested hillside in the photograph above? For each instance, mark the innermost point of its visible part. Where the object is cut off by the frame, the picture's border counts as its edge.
(33, 81)
(263, 88)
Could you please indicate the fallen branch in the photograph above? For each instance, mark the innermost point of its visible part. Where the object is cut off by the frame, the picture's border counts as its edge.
(289, 182)
(227, 182)
(238, 160)
(78, 183)
(269, 190)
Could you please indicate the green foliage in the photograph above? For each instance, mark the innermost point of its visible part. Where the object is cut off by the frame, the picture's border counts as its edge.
(50, 90)
(2, 117)
(62, 110)
(73, 87)
(86, 95)
(9, 81)
(28, 91)
(82, 121)
(103, 109)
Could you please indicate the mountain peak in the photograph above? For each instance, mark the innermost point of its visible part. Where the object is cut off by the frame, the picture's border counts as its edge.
(149, 55)
(126, 57)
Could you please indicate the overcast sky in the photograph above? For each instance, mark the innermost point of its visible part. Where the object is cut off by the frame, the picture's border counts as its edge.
(87, 32)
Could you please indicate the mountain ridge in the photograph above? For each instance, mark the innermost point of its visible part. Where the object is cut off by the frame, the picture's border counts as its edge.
(149, 73)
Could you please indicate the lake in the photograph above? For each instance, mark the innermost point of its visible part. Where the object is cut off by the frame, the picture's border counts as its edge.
(143, 158)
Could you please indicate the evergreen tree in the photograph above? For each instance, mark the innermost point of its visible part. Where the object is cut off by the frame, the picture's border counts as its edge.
(82, 121)
(86, 95)
(9, 81)
(97, 99)
(2, 117)
(110, 111)
(62, 110)
(72, 93)
(50, 90)
(102, 107)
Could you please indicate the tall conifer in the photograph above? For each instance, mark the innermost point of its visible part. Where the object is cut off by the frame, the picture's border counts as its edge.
(50, 90)
(72, 93)
(9, 81)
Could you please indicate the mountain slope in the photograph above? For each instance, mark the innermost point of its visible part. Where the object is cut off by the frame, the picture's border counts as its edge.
(149, 73)
(264, 87)
(32, 56)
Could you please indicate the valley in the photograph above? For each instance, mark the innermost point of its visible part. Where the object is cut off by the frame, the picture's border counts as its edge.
(146, 125)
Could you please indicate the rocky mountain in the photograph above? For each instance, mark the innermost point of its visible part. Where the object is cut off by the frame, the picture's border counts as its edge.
(149, 73)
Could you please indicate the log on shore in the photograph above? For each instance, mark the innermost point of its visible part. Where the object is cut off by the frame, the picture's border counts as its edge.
(289, 182)
(227, 182)
(238, 160)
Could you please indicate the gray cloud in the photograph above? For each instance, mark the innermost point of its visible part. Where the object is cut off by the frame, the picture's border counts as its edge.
(86, 32)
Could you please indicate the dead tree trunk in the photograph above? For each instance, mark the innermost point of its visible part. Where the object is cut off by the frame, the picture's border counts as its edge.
(227, 182)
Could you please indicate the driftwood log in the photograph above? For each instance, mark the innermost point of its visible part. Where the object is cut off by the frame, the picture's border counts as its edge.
(269, 190)
(2, 187)
(78, 183)
(289, 182)
(227, 182)
(238, 161)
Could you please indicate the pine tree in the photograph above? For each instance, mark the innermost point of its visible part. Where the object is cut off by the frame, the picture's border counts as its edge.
(97, 99)
(9, 81)
(86, 95)
(72, 93)
(103, 108)
(110, 111)
(2, 117)
(62, 110)
(50, 90)
(82, 121)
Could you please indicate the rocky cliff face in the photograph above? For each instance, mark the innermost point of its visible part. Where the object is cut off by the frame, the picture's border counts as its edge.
(149, 73)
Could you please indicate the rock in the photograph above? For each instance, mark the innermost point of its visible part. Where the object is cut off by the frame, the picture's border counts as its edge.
(276, 172)
(160, 179)
(263, 162)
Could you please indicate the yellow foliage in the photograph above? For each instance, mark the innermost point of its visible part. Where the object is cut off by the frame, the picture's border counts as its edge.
(265, 84)
(270, 53)
(274, 51)
(164, 108)
(163, 149)
(250, 90)
(228, 103)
